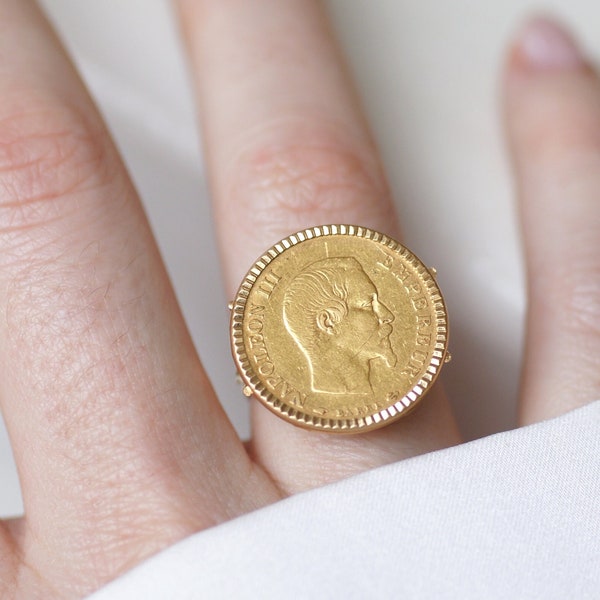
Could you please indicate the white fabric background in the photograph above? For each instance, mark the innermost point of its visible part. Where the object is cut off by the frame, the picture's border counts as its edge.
(512, 516)
(512, 510)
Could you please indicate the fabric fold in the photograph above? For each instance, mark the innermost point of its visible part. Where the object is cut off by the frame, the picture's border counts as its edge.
(513, 515)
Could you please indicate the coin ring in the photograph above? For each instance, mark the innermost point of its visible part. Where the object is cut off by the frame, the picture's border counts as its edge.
(420, 352)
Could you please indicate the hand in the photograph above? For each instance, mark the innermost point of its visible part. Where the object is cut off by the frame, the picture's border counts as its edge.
(121, 445)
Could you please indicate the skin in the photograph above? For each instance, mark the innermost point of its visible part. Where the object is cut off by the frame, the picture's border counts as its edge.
(121, 445)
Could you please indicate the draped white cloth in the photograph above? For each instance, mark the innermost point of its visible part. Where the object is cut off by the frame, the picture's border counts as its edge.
(513, 515)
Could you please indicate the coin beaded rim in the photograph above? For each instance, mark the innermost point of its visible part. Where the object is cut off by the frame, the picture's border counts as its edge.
(297, 417)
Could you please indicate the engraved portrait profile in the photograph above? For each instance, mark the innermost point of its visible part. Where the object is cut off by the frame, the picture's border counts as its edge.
(333, 312)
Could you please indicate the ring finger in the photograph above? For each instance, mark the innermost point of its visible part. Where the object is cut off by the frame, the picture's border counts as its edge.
(288, 149)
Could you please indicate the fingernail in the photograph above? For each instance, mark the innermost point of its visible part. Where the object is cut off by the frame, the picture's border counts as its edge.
(543, 44)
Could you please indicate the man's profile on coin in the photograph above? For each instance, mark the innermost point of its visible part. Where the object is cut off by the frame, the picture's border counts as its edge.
(333, 312)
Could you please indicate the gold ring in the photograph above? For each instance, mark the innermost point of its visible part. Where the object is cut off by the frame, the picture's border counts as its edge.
(339, 328)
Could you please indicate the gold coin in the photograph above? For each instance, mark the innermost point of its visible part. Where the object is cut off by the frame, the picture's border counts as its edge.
(339, 328)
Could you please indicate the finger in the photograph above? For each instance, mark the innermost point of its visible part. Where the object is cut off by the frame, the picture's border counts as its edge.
(553, 116)
(288, 148)
(116, 432)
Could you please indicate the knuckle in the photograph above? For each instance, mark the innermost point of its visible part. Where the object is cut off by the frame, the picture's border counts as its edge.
(574, 298)
(582, 306)
(71, 325)
(567, 148)
(560, 128)
(46, 154)
(279, 187)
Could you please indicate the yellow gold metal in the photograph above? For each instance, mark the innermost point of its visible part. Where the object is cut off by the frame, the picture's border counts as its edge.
(247, 391)
(339, 328)
(447, 358)
(230, 305)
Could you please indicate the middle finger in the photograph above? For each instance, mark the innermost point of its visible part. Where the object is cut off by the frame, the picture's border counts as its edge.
(288, 148)
(115, 429)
